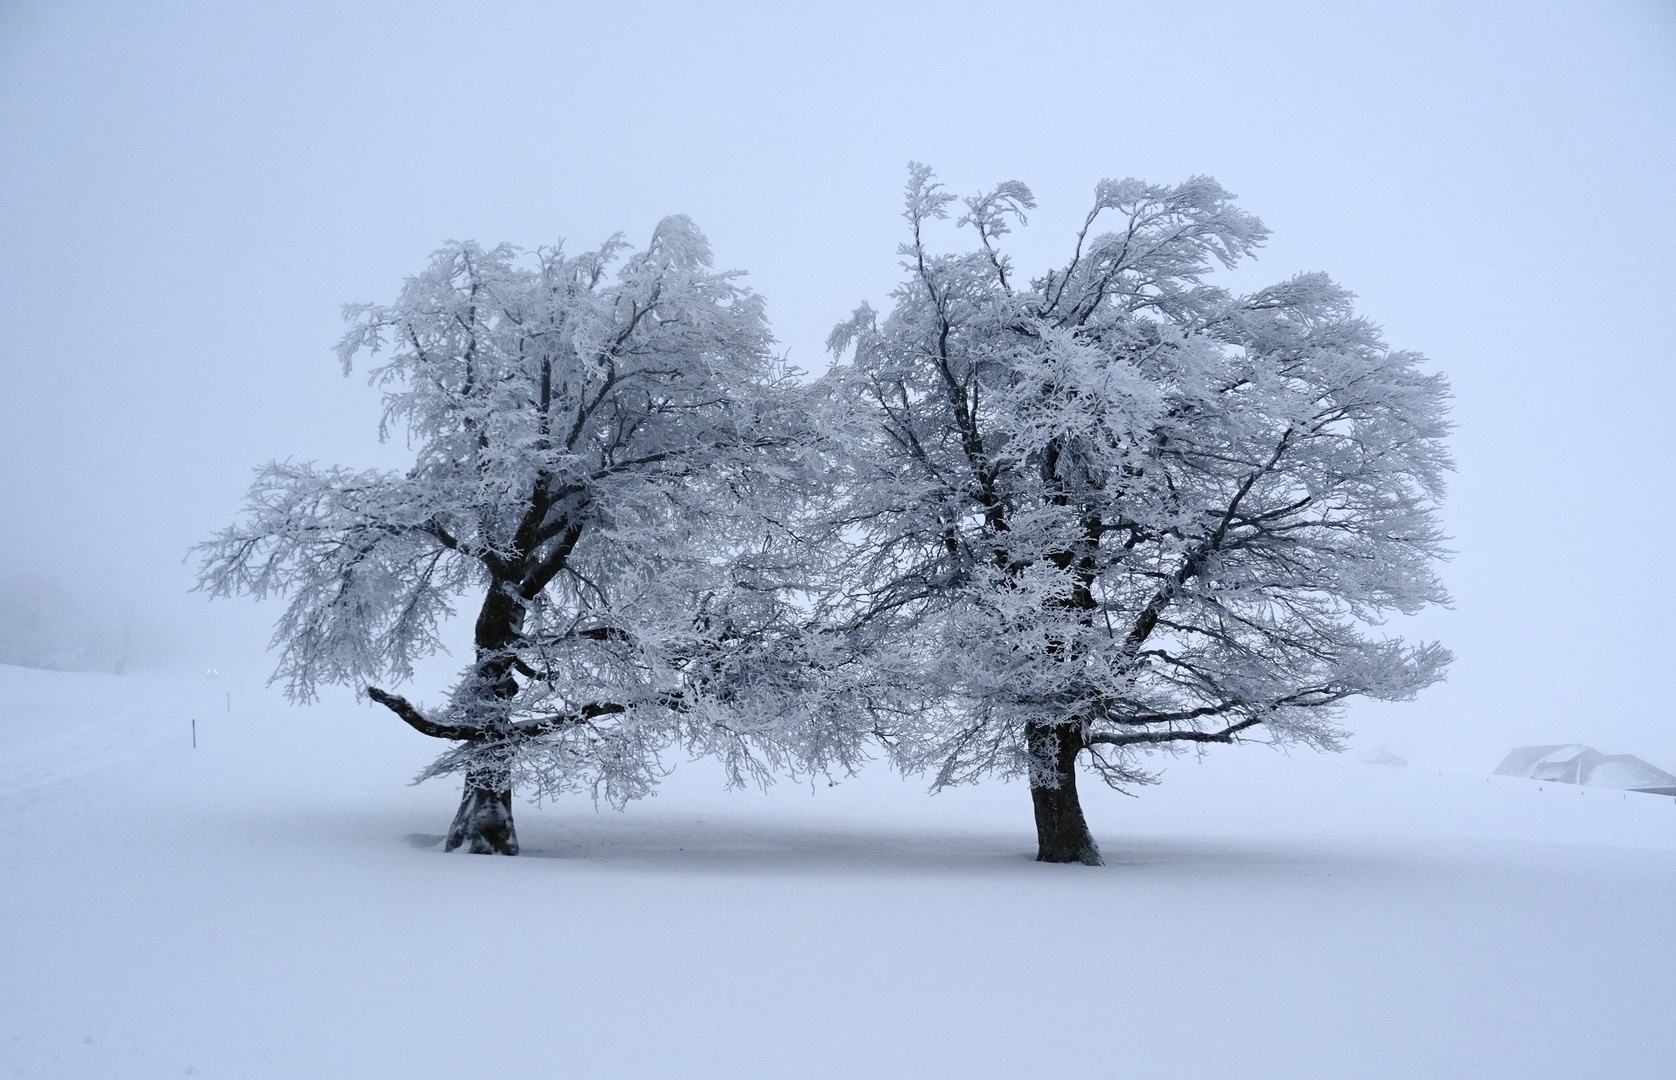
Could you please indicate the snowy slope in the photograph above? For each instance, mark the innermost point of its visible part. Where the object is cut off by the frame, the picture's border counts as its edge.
(254, 907)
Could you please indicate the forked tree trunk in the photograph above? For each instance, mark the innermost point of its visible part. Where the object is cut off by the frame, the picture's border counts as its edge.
(484, 820)
(1062, 834)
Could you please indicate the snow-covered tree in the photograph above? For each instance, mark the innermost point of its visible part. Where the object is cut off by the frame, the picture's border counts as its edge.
(1115, 509)
(601, 441)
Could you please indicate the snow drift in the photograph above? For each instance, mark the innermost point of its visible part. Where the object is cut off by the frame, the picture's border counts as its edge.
(1574, 763)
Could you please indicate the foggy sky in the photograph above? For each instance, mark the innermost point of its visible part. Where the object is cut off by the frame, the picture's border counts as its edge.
(189, 193)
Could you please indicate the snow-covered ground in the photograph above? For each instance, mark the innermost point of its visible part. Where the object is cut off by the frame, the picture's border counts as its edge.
(259, 907)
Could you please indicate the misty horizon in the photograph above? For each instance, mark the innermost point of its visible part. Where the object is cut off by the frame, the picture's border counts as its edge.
(195, 193)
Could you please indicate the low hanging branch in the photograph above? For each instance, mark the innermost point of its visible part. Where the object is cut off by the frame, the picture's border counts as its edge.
(420, 722)
(464, 733)
(1226, 735)
(1313, 697)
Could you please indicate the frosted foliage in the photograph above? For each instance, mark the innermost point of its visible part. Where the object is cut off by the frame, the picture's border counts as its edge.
(1119, 499)
(602, 446)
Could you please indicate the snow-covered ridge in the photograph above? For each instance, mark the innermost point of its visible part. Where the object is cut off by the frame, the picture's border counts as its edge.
(58, 725)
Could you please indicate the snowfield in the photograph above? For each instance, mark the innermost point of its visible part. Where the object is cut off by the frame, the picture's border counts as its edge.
(262, 906)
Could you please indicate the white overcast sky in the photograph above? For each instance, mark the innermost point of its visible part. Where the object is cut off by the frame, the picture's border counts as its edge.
(188, 193)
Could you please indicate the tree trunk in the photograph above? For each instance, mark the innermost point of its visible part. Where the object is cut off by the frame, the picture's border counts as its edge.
(484, 819)
(1062, 834)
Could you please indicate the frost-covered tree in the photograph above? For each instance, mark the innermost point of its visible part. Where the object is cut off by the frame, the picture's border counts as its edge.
(1115, 509)
(601, 441)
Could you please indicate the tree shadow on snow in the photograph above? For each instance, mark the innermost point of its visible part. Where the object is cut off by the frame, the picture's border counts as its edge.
(724, 845)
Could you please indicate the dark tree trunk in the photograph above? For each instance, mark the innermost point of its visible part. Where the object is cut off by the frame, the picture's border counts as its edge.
(1062, 834)
(484, 820)
(500, 626)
